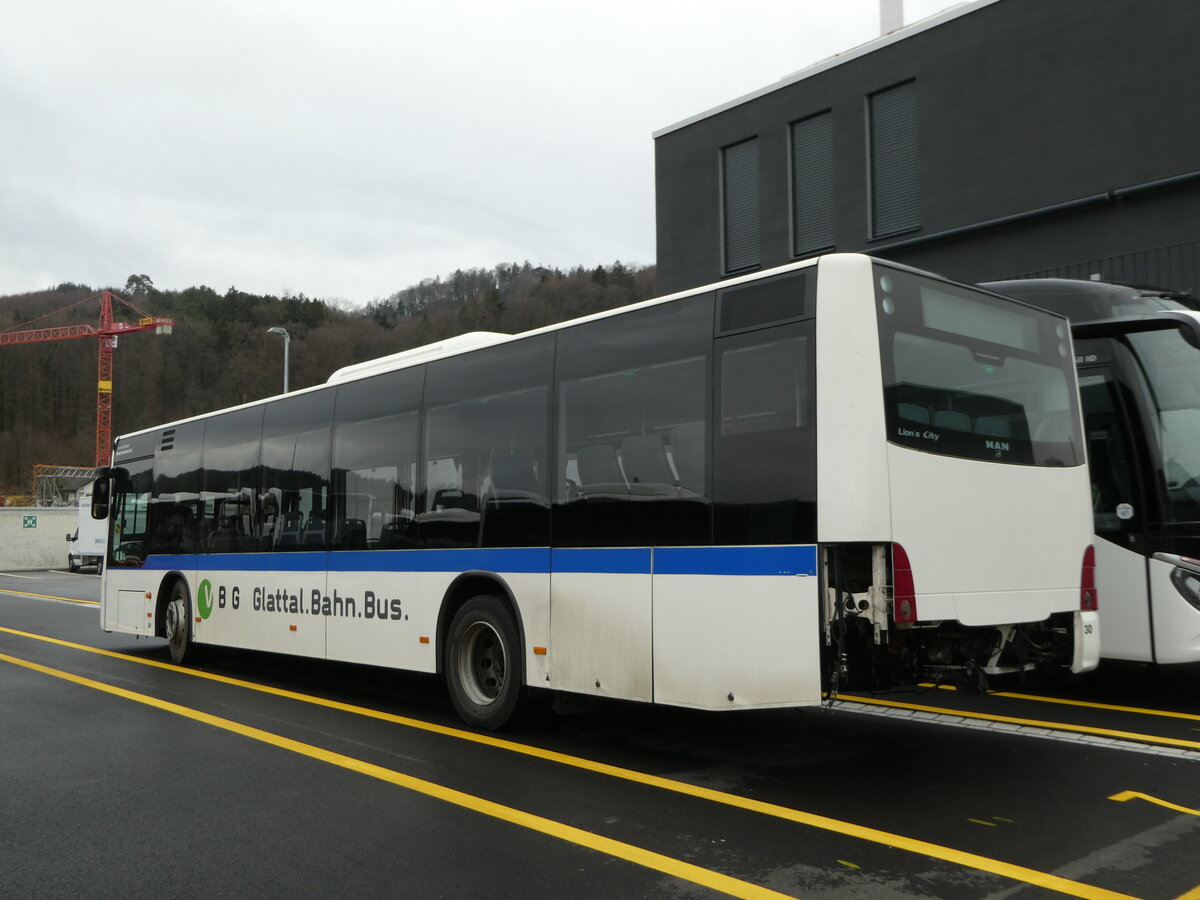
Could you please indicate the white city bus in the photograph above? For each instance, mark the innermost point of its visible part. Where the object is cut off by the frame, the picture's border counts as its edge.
(1138, 356)
(838, 472)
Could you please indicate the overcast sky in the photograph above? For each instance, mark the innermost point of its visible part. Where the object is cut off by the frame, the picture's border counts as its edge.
(350, 149)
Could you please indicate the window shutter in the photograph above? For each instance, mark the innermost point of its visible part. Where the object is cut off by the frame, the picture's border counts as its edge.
(739, 182)
(812, 184)
(895, 160)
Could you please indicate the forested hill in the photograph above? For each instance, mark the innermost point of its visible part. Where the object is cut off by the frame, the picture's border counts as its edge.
(220, 353)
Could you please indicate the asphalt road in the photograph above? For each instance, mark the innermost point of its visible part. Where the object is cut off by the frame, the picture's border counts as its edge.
(255, 775)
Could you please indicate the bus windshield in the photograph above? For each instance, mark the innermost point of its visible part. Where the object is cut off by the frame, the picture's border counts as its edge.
(1172, 369)
(969, 375)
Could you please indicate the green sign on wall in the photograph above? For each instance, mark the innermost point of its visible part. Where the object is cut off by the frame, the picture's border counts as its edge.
(29, 521)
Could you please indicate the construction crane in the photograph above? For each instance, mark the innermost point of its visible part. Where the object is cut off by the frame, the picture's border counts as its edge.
(107, 331)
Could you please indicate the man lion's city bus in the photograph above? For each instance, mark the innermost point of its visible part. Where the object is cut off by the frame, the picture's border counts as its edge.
(1138, 356)
(839, 471)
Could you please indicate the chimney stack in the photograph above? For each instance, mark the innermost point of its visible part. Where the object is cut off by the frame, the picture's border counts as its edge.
(891, 16)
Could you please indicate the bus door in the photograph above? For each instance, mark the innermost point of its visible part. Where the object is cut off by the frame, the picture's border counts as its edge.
(1120, 509)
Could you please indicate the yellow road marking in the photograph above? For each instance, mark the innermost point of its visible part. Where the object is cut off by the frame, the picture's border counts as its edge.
(1085, 704)
(51, 597)
(1036, 723)
(982, 822)
(1193, 894)
(1130, 795)
(639, 855)
(813, 820)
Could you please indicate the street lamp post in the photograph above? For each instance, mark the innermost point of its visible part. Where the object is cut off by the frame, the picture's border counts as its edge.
(286, 340)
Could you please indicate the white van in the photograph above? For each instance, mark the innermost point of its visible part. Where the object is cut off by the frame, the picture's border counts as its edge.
(86, 546)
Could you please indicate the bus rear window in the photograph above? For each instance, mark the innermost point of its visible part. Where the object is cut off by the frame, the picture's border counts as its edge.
(970, 375)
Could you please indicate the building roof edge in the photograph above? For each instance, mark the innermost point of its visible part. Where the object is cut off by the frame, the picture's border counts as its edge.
(886, 40)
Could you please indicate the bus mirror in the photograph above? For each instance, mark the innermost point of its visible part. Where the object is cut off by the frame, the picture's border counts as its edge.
(100, 496)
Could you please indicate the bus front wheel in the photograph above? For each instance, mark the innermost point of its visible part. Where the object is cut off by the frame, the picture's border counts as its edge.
(178, 624)
(484, 662)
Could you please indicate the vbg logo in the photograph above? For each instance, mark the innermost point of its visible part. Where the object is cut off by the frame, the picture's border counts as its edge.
(204, 604)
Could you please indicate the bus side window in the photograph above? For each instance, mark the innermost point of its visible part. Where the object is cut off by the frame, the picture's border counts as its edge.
(766, 399)
(375, 451)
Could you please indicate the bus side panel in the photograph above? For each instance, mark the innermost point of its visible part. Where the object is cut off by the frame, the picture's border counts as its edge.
(736, 641)
(392, 612)
(276, 611)
(124, 605)
(600, 624)
(1176, 622)
(852, 474)
(1124, 607)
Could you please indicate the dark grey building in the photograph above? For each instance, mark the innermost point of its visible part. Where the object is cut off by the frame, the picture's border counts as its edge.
(1000, 138)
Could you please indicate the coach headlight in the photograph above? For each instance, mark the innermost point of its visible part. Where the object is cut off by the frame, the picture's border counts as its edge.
(1185, 576)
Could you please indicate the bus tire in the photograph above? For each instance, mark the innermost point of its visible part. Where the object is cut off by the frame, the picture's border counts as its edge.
(484, 664)
(177, 623)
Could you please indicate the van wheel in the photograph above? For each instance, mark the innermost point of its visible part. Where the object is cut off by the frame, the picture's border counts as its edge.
(484, 664)
(71, 564)
(178, 624)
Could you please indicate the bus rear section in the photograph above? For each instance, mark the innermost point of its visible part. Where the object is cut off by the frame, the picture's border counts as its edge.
(953, 492)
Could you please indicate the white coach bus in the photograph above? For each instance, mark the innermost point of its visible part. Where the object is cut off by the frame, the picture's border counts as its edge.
(1138, 356)
(837, 472)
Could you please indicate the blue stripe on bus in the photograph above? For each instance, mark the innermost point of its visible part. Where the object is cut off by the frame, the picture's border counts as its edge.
(800, 560)
(606, 561)
(777, 560)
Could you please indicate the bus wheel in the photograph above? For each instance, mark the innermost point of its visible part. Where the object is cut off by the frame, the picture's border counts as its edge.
(178, 624)
(484, 663)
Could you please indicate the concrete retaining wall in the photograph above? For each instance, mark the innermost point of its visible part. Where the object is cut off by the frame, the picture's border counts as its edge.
(41, 546)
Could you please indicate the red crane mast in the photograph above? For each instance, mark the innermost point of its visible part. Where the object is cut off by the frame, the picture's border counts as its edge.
(107, 331)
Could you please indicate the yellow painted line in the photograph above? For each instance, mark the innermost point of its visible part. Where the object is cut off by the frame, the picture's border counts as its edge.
(1130, 795)
(51, 597)
(813, 820)
(1193, 894)
(1036, 723)
(638, 855)
(1085, 704)
(982, 822)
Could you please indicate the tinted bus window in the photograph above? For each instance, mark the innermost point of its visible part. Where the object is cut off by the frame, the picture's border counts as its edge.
(765, 485)
(293, 509)
(967, 374)
(633, 428)
(376, 448)
(175, 503)
(485, 435)
(228, 499)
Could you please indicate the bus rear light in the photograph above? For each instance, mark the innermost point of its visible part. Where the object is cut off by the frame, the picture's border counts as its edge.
(904, 593)
(1088, 598)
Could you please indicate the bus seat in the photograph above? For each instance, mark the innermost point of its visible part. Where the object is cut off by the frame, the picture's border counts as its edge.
(512, 474)
(687, 452)
(289, 529)
(993, 426)
(314, 530)
(644, 460)
(598, 465)
(949, 418)
(352, 534)
(913, 412)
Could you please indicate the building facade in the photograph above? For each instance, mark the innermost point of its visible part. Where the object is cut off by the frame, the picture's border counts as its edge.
(997, 139)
